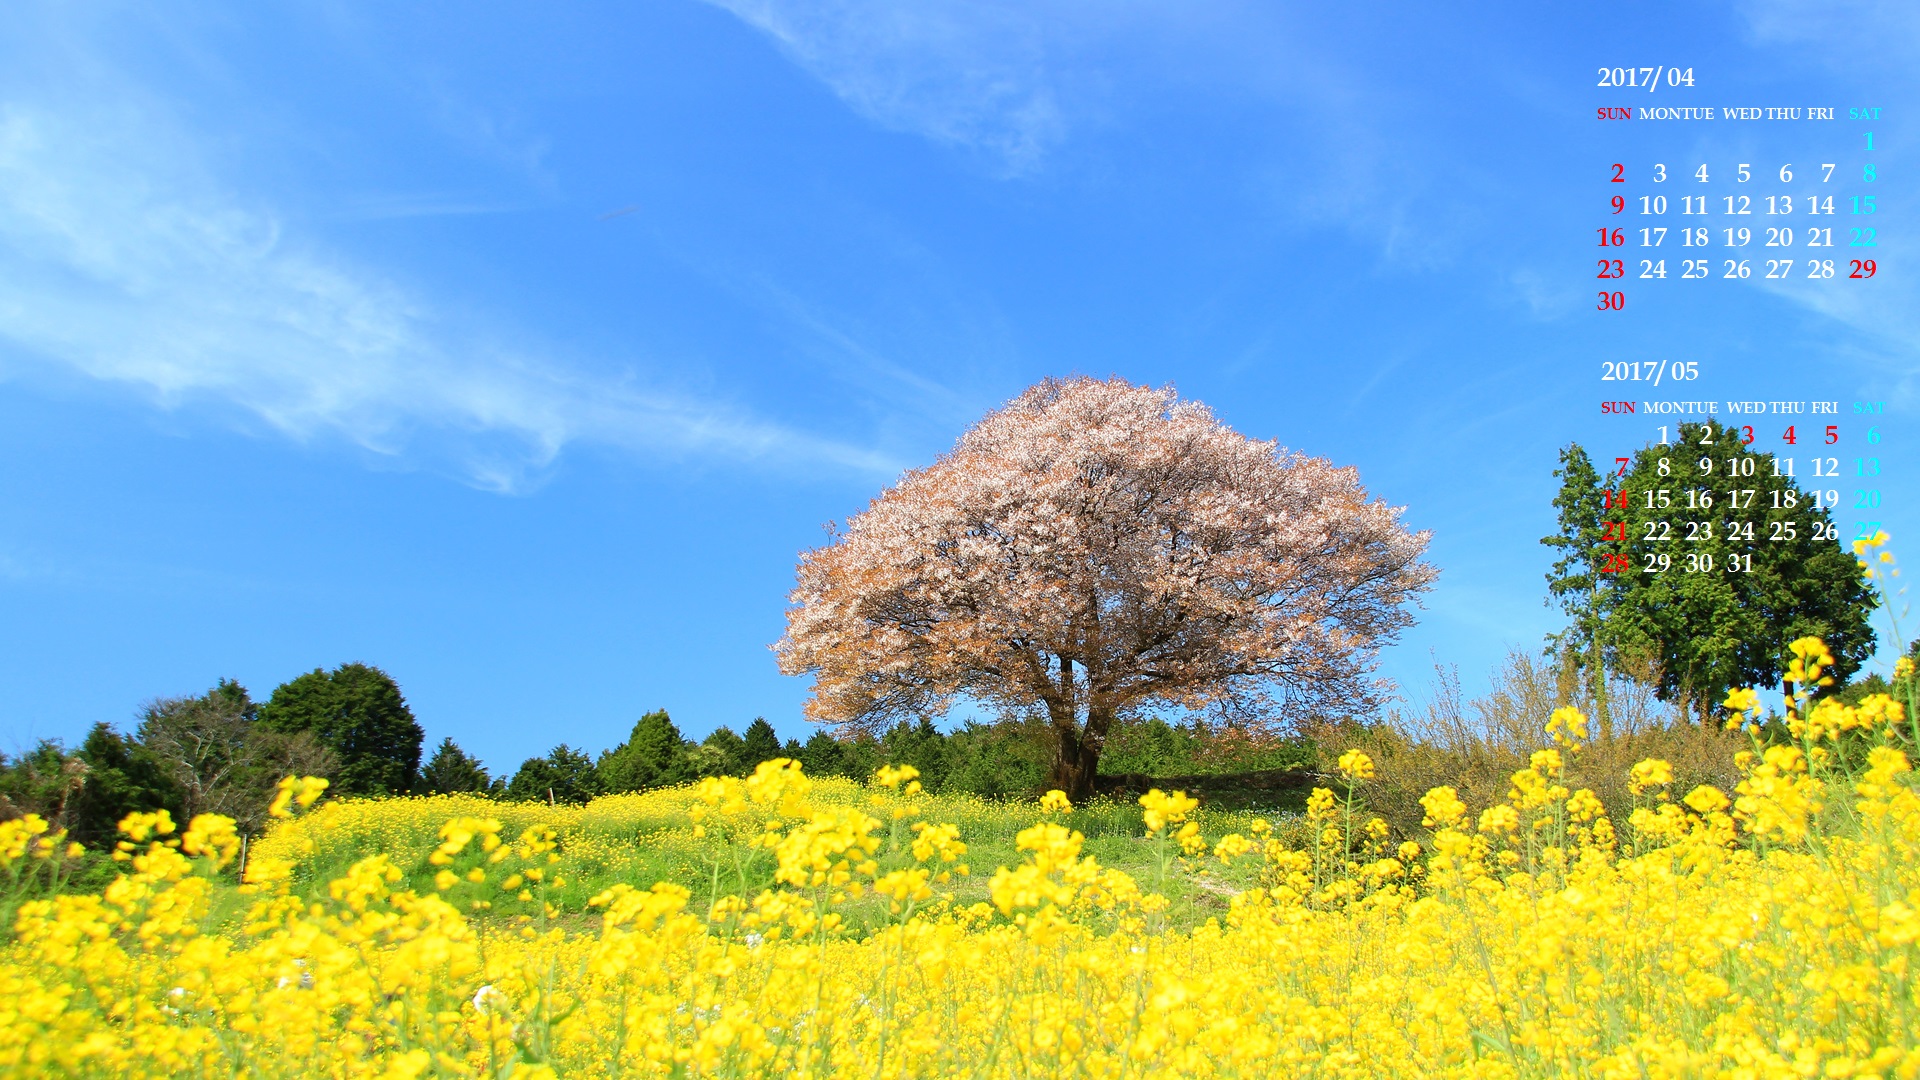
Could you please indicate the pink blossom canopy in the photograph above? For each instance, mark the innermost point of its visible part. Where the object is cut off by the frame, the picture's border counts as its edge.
(1095, 547)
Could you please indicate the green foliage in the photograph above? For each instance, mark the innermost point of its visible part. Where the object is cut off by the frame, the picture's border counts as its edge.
(451, 771)
(1574, 581)
(648, 839)
(1666, 587)
(221, 759)
(1157, 748)
(122, 778)
(1005, 760)
(823, 755)
(358, 711)
(1154, 748)
(565, 775)
(721, 754)
(191, 755)
(654, 755)
(760, 743)
(42, 781)
(1010, 758)
(920, 745)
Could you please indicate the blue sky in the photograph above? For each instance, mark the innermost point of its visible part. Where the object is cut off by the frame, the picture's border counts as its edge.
(519, 349)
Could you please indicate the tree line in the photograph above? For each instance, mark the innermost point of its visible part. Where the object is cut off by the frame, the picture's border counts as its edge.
(1008, 758)
(221, 752)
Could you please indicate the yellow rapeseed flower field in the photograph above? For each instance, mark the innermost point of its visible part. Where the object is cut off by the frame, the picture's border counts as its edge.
(838, 930)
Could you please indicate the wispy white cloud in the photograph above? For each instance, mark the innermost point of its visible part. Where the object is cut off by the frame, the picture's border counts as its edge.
(965, 74)
(123, 259)
(858, 363)
(1017, 82)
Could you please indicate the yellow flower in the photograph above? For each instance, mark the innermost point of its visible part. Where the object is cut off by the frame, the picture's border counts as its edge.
(937, 841)
(212, 835)
(1356, 953)
(1444, 808)
(1810, 659)
(891, 776)
(1706, 799)
(1648, 774)
(1320, 804)
(1190, 840)
(1163, 809)
(1231, 847)
(1567, 726)
(1501, 818)
(1055, 802)
(1878, 539)
(140, 826)
(1356, 765)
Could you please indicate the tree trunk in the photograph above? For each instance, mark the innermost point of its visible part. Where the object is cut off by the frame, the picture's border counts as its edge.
(1076, 748)
(1598, 668)
(1076, 760)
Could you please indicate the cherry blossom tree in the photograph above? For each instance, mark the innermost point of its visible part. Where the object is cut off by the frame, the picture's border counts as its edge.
(1100, 550)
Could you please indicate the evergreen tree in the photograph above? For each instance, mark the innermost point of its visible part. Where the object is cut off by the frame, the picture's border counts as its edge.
(1155, 748)
(1584, 508)
(920, 745)
(451, 771)
(721, 753)
(999, 760)
(822, 755)
(654, 755)
(565, 775)
(861, 756)
(122, 778)
(358, 711)
(760, 743)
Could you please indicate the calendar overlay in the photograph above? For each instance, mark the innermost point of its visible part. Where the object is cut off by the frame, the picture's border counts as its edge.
(1702, 486)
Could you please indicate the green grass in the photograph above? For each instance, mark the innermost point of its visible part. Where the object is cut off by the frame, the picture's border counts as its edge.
(646, 838)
